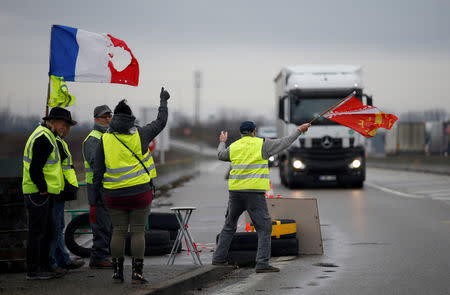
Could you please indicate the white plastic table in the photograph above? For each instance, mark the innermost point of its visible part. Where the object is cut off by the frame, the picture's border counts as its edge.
(184, 232)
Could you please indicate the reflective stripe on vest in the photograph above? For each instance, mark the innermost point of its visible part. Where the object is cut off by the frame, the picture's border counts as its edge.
(122, 168)
(52, 169)
(67, 164)
(248, 169)
(87, 168)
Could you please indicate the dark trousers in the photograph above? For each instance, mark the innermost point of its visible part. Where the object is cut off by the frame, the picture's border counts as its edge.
(256, 206)
(101, 226)
(41, 231)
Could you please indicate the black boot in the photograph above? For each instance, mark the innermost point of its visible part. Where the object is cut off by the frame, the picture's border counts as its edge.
(118, 270)
(137, 277)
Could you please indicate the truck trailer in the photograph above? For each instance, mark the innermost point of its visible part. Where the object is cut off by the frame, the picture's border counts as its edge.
(406, 138)
(328, 152)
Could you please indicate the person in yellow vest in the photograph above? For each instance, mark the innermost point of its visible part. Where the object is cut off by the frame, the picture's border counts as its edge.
(247, 183)
(42, 182)
(59, 257)
(124, 169)
(99, 216)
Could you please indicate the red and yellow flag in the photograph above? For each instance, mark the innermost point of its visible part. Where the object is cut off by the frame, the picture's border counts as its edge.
(362, 118)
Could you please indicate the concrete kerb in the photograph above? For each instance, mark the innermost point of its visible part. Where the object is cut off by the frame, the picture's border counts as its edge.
(188, 281)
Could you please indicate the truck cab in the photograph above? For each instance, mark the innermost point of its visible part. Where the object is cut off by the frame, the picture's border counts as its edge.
(328, 152)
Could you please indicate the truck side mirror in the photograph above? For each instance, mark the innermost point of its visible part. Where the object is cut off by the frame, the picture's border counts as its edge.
(281, 109)
(369, 100)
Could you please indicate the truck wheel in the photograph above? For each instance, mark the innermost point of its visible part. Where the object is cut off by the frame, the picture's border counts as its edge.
(290, 183)
(281, 173)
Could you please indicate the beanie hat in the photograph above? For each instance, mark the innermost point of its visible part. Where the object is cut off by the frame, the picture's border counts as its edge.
(101, 111)
(122, 108)
(247, 126)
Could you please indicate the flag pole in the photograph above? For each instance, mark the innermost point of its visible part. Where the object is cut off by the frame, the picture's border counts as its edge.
(48, 97)
(333, 106)
(48, 86)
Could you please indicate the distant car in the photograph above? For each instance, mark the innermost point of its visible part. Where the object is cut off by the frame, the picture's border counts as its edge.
(268, 132)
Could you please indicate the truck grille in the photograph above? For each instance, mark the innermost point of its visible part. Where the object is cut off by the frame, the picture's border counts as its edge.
(321, 154)
(327, 143)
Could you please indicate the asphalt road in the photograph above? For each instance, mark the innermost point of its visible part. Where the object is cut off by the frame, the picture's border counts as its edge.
(391, 237)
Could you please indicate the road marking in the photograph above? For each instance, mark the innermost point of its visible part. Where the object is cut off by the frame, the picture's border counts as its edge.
(394, 192)
(442, 194)
(437, 197)
(446, 198)
(433, 191)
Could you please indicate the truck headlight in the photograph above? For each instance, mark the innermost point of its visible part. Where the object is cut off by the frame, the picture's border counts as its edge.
(271, 158)
(297, 164)
(355, 164)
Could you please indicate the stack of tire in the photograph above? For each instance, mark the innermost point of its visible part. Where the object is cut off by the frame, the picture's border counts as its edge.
(159, 239)
(244, 244)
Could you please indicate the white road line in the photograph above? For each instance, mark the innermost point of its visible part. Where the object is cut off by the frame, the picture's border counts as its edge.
(434, 191)
(441, 194)
(446, 198)
(394, 192)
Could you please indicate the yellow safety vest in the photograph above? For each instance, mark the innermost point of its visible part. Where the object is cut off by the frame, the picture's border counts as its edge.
(88, 170)
(52, 169)
(67, 164)
(122, 168)
(248, 168)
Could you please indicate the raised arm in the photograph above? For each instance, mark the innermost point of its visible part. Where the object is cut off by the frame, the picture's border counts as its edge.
(274, 146)
(151, 130)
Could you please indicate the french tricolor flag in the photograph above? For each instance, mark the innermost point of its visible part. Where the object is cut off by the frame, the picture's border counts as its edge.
(82, 56)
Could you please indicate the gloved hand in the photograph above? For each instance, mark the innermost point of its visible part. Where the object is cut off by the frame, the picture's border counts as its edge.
(164, 94)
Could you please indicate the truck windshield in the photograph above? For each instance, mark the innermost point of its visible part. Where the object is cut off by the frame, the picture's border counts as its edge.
(305, 109)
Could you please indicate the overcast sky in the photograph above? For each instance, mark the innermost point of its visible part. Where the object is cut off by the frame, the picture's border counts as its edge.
(240, 46)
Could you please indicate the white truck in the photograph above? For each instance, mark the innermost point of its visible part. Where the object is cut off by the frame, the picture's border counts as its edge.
(328, 152)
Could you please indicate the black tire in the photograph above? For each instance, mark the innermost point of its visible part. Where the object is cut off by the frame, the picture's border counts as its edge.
(157, 250)
(153, 237)
(75, 224)
(157, 237)
(152, 250)
(242, 258)
(358, 184)
(282, 174)
(161, 220)
(243, 241)
(284, 247)
(179, 246)
(173, 234)
(290, 184)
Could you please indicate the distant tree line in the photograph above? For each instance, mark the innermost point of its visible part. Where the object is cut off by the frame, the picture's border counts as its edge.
(15, 123)
(208, 131)
(431, 115)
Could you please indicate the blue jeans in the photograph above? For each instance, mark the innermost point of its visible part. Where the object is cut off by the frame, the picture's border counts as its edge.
(58, 253)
